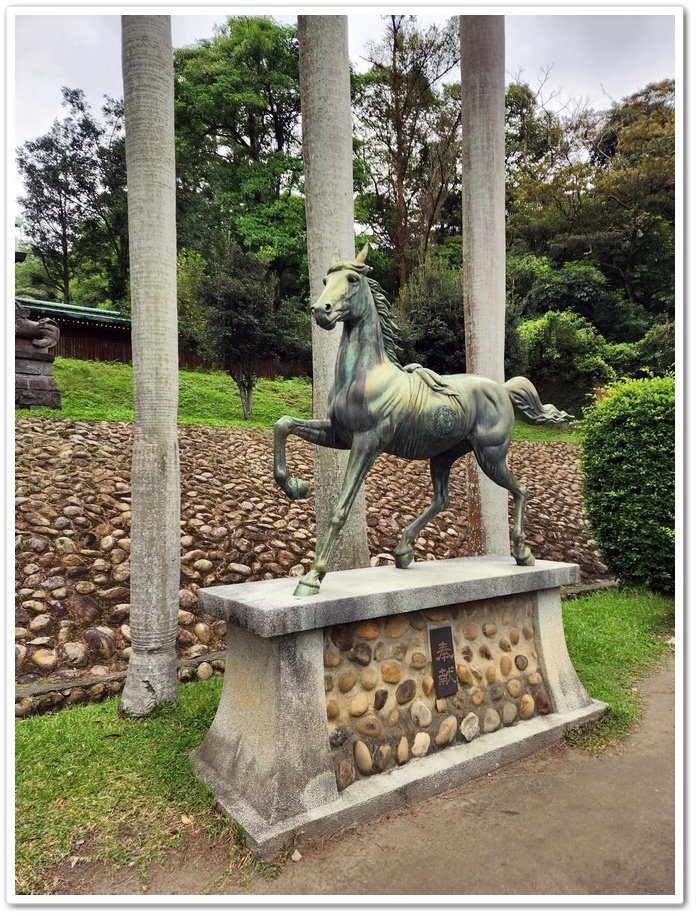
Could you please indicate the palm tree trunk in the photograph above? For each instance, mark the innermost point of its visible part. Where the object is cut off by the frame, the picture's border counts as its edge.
(148, 79)
(327, 149)
(483, 236)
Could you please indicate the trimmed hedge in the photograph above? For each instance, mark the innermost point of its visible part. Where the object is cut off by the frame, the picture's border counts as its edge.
(628, 466)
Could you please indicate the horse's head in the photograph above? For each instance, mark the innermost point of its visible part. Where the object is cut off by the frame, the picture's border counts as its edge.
(346, 296)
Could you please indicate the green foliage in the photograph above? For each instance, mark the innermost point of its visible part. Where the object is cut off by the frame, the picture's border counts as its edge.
(238, 296)
(635, 186)
(408, 137)
(531, 132)
(614, 638)
(599, 191)
(656, 351)
(193, 319)
(628, 465)
(31, 279)
(238, 164)
(565, 357)
(431, 313)
(104, 391)
(74, 205)
(514, 352)
(653, 354)
(575, 286)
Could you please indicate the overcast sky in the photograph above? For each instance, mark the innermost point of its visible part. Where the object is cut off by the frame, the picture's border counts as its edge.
(593, 58)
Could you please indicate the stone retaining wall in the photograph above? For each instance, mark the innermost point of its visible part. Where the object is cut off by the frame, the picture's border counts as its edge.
(72, 544)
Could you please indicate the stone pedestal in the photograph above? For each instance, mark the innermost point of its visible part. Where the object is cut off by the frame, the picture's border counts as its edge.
(34, 382)
(329, 714)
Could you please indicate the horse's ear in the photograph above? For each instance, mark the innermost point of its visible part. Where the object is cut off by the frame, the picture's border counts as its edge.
(362, 257)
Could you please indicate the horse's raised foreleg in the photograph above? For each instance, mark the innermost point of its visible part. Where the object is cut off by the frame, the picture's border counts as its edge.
(440, 467)
(493, 462)
(320, 432)
(363, 453)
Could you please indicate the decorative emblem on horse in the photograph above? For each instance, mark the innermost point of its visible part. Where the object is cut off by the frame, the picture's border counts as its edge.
(376, 405)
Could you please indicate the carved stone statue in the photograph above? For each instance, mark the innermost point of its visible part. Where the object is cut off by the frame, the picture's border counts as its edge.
(35, 347)
(376, 405)
(43, 333)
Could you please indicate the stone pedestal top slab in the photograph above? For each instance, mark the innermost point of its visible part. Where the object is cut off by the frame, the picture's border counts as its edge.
(268, 608)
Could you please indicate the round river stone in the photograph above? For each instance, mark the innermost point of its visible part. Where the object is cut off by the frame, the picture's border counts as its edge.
(421, 743)
(391, 672)
(421, 713)
(370, 726)
(361, 653)
(363, 758)
(406, 691)
(470, 727)
(521, 662)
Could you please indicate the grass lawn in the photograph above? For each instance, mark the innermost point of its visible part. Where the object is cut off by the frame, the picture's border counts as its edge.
(104, 391)
(91, 786)
(613, 638)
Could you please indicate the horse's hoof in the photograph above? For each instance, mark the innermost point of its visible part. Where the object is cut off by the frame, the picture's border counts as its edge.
(403, 558)
(526, 558)
(306, 588)
(296, 489)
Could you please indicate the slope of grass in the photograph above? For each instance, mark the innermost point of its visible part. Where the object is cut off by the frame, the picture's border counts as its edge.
(91, 786)
(526, 433)
(93, 390)
(104, 391)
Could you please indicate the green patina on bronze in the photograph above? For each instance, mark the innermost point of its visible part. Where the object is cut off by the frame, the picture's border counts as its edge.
(376, 405)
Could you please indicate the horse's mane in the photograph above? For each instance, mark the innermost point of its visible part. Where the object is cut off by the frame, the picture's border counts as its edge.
(390, 329)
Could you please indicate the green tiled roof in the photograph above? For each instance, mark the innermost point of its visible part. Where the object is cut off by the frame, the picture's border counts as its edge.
(76, 312)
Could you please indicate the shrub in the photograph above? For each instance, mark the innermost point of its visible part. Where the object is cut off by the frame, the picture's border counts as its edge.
(565, 357)
(623, 359)
(656, 350)
(652, 355)
(430, 313)
(628, 465)
(574, 286)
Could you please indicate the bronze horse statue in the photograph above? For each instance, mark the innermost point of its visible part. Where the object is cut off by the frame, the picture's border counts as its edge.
(376, 406)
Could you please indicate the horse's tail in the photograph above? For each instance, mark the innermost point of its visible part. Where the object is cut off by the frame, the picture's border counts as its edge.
(528, 406)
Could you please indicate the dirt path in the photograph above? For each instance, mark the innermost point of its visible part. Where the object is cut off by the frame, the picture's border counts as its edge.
(557, 822)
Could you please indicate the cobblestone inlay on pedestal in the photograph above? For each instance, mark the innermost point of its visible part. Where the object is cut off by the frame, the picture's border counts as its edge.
(380, 694)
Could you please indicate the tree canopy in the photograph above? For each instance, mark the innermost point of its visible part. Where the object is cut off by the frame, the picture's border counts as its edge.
(74, 205)
(590, 197)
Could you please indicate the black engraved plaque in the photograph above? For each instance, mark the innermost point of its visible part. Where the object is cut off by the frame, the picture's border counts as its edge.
(442, 656)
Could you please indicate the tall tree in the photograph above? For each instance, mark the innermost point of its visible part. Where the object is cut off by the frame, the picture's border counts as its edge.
(245, 328)
(155, 533)
(407, 128)
(327, 150)
(74, 202)
(634, 190)
(483, 235)
(238, 149)
(598, 188)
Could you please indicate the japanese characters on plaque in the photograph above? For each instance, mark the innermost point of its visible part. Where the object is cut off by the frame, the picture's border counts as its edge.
(442, 656)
